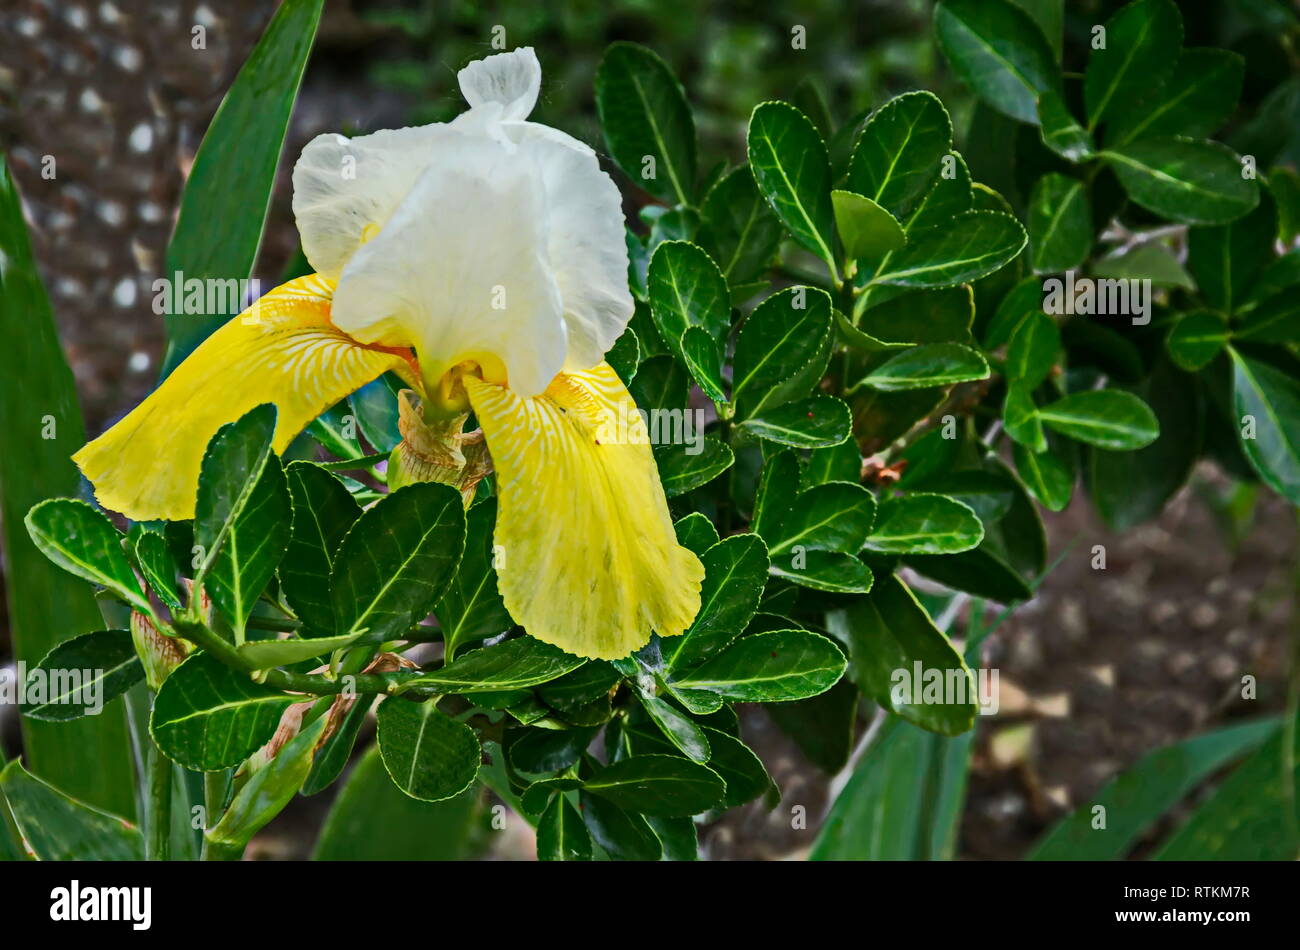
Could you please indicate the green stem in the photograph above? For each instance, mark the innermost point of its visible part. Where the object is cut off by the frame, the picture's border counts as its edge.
(353, 465)
(214, 800)
(315, 683)
(221, 852)
(160, 806)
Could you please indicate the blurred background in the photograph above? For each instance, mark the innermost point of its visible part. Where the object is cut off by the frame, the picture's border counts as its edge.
(1100, 668)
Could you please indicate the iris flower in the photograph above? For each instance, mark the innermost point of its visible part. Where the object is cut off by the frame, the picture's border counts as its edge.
(482, 261)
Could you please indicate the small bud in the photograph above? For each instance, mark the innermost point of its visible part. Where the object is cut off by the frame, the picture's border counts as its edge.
(159, 653)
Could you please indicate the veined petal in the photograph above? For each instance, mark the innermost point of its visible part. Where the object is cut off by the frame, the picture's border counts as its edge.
(344, 189)
(591, 562)
(585, 243)
(283, 349)
(462, 271)
(511, 80)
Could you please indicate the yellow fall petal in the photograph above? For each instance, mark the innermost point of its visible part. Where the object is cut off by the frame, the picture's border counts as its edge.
(283, 349)
(591, 563)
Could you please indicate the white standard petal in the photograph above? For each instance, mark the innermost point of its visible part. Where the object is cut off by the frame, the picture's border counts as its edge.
(344, 189)
(585, 240)
(462, 271)
(511, 79)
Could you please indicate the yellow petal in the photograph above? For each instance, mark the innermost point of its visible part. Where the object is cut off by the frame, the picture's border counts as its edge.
(590, 561)
(283, 349)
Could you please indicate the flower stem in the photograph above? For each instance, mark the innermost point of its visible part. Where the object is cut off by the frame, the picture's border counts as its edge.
(160, 806)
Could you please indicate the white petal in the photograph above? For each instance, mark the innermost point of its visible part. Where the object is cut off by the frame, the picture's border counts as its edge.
(341, 186)
(461, 271)
(585, 240)
(512, 79)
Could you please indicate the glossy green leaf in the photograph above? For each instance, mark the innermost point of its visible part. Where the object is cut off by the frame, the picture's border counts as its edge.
(1196, 339)
(981, 572)
(686, 289)
(242, 515)
(898, 153)
(267, 654)
(84, 542)
(836, 463)
(471, 607)
(1276, 320)
(1141, 46)
(781, 350)
(428, 755)
(84, 673)
(679, 728)
(374, 406)
(1061, 131)
(396, 561)
(1034, 349)
(739, 767)
(208, 716)
(514, 664)
(156, 563)
(920, 316)
(1021, 419)
(1060, 224)
(999, 52)
(335, 430)
(932, 364)
(561, 834)
(835, 516)
(793, 173)
(688, 465)
(1267, 403)
(696, 532)
(1225, 259)
(948, 197)
(1199, 98)
(235, 168)
(647, 121)
(1183, 180)
(660, 785)
(1048, 478)
(924, 523)
(735, 572)
(59, 828)
(899, 658)
(703, 358)
(323, 512)
(811, 423)
(624, 836)
(268, 790)
(1106, 418)
(973, 245)
(769, 667)
(832, 571)
(549, 750)
(867, 229)
(335, 752)
(740, 230)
